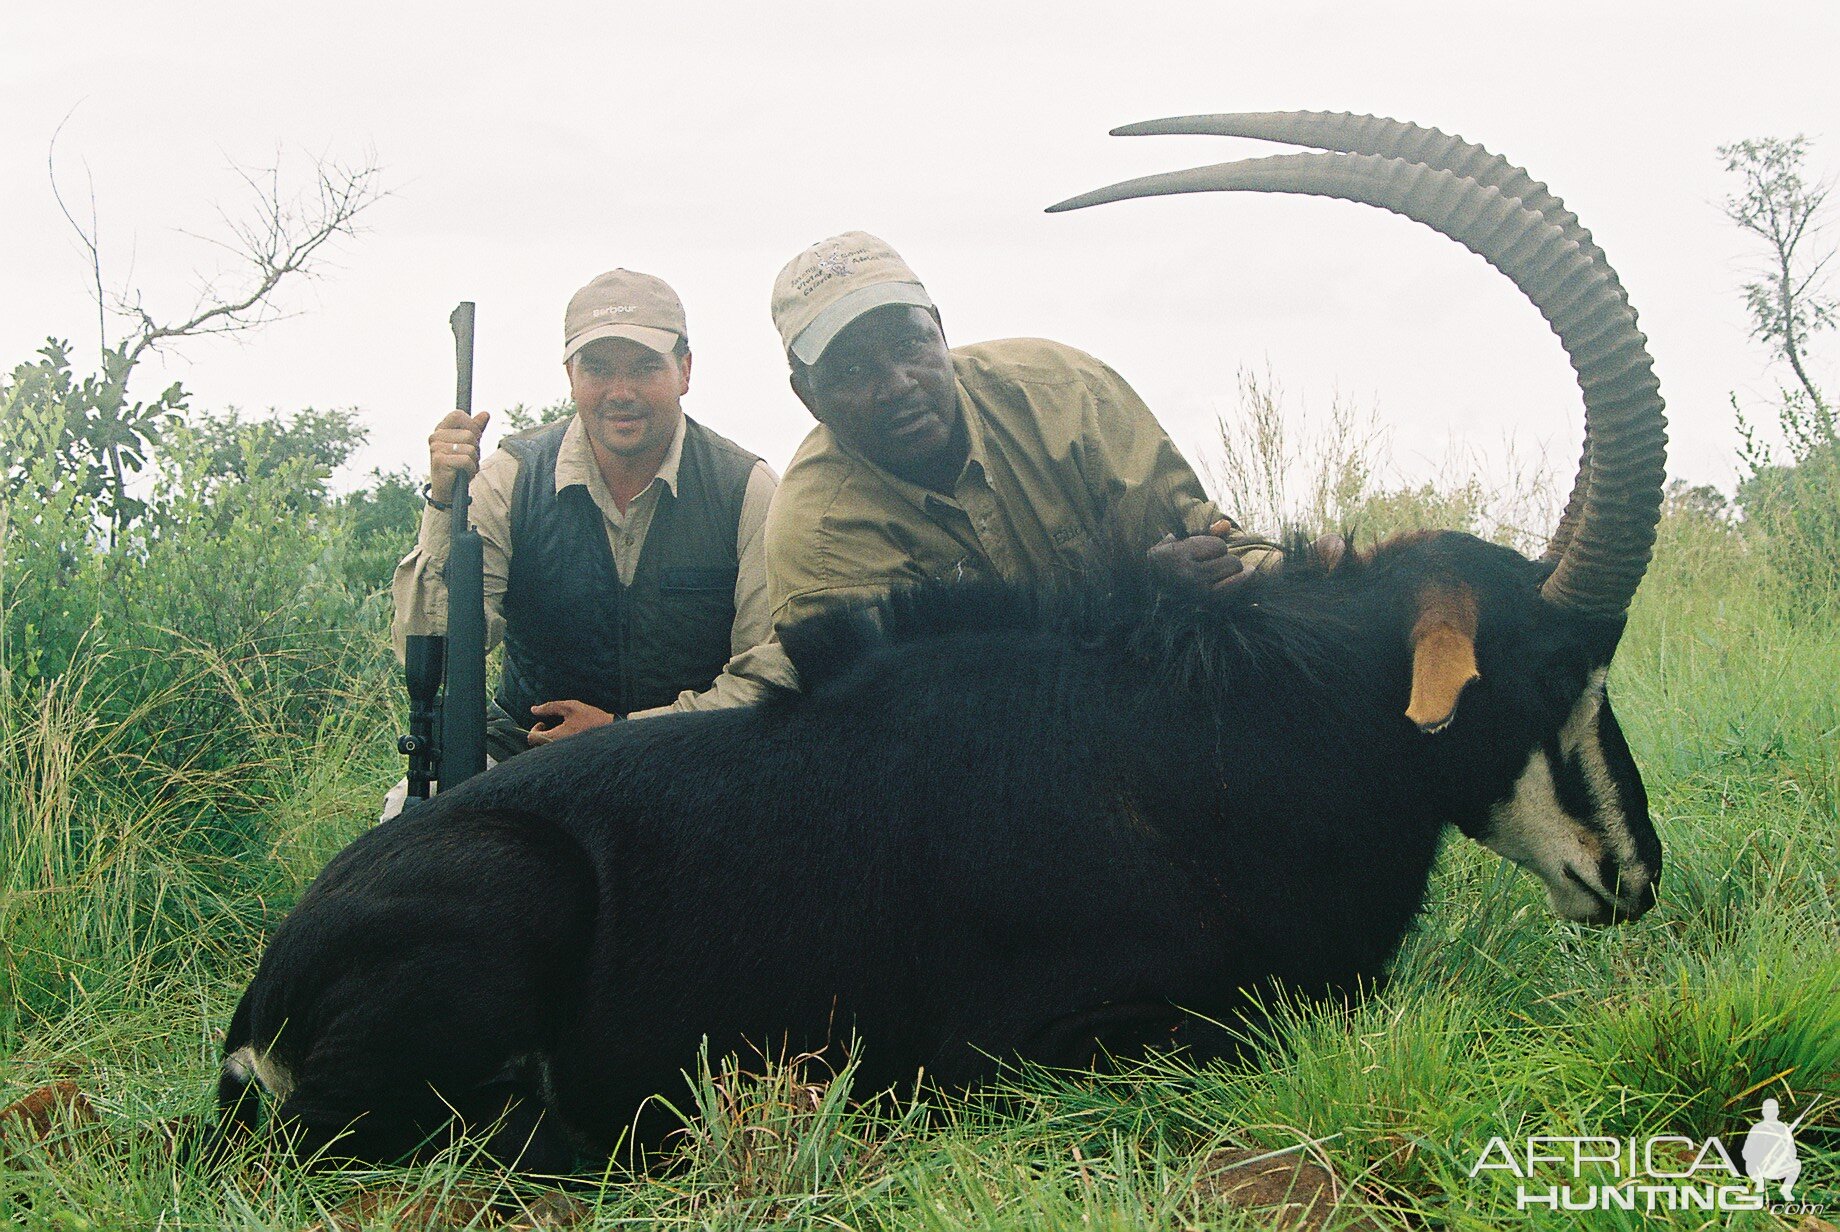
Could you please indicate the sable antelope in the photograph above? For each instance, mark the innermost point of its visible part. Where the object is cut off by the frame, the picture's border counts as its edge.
(1088, 817)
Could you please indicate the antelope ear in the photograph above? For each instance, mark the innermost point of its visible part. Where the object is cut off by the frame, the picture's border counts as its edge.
(1443, 654)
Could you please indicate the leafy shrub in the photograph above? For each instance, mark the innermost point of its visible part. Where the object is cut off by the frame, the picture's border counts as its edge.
(1795, 508)
(174, 696)
(57, 430)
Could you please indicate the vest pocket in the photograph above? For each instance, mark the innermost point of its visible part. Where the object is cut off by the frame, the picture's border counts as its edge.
(685, 580)
(682, 637)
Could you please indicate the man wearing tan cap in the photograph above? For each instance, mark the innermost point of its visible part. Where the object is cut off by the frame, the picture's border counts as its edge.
(624, 553)
(1022, 459)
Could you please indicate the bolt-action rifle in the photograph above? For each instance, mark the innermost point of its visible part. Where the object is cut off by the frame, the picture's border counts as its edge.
(446, 676)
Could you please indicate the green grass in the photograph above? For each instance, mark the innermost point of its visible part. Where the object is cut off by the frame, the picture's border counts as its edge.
(135, 888)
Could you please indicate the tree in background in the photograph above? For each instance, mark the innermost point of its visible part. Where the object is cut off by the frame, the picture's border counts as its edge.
(1795, 503)
(235, 545)
(522, 417)
(179, 667)
(87, 430)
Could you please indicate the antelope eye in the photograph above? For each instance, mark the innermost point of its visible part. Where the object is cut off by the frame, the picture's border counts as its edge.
(1560, 679)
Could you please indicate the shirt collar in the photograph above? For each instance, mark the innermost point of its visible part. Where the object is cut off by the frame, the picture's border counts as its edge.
(575, 460)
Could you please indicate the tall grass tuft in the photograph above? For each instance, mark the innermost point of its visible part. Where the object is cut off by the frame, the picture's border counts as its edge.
(1275, 476)
(170, 708)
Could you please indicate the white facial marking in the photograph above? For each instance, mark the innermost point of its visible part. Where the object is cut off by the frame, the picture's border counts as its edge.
(1579, 738)
(273, 1076)
(1533, 829)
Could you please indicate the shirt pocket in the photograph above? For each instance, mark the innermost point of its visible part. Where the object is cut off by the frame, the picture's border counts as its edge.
(1075, 547)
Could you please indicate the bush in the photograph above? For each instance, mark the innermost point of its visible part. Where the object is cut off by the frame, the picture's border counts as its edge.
(1795, 508)
(59, 431)
(173, 702)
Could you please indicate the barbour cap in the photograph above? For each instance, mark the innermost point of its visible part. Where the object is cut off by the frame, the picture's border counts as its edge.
(623, 304)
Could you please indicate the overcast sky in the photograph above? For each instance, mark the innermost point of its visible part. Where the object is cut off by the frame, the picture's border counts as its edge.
(707, 143)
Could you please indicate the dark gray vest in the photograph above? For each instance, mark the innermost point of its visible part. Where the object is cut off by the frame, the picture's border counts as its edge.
(572, 630)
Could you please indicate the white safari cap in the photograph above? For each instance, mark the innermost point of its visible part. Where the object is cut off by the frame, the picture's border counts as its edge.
(832, 283)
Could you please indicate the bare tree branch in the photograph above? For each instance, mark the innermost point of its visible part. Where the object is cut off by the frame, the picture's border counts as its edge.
(284, 238)
(90, 238)
(276, 240)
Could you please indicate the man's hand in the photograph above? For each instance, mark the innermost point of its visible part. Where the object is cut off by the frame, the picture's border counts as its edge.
(453, 449)
(1195, 565)
(572, 718)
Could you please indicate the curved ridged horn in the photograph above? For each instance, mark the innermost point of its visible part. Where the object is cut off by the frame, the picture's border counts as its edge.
(1348, 133)
(1370, 134)
(1624, 421)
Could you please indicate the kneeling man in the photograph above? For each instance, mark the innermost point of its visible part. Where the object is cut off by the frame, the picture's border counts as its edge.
(624, 546)
(1023, 459)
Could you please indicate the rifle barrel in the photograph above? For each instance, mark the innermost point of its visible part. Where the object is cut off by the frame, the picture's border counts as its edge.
(463, 718)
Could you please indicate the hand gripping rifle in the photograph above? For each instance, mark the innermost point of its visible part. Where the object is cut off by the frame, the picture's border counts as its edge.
(446, 743)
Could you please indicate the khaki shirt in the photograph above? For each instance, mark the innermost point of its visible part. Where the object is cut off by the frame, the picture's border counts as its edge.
(420, 589)
(1067, 467)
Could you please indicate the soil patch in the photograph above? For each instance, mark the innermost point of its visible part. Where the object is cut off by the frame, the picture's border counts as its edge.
(44, 1113)
(403, 1209)
(1290, 1191)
